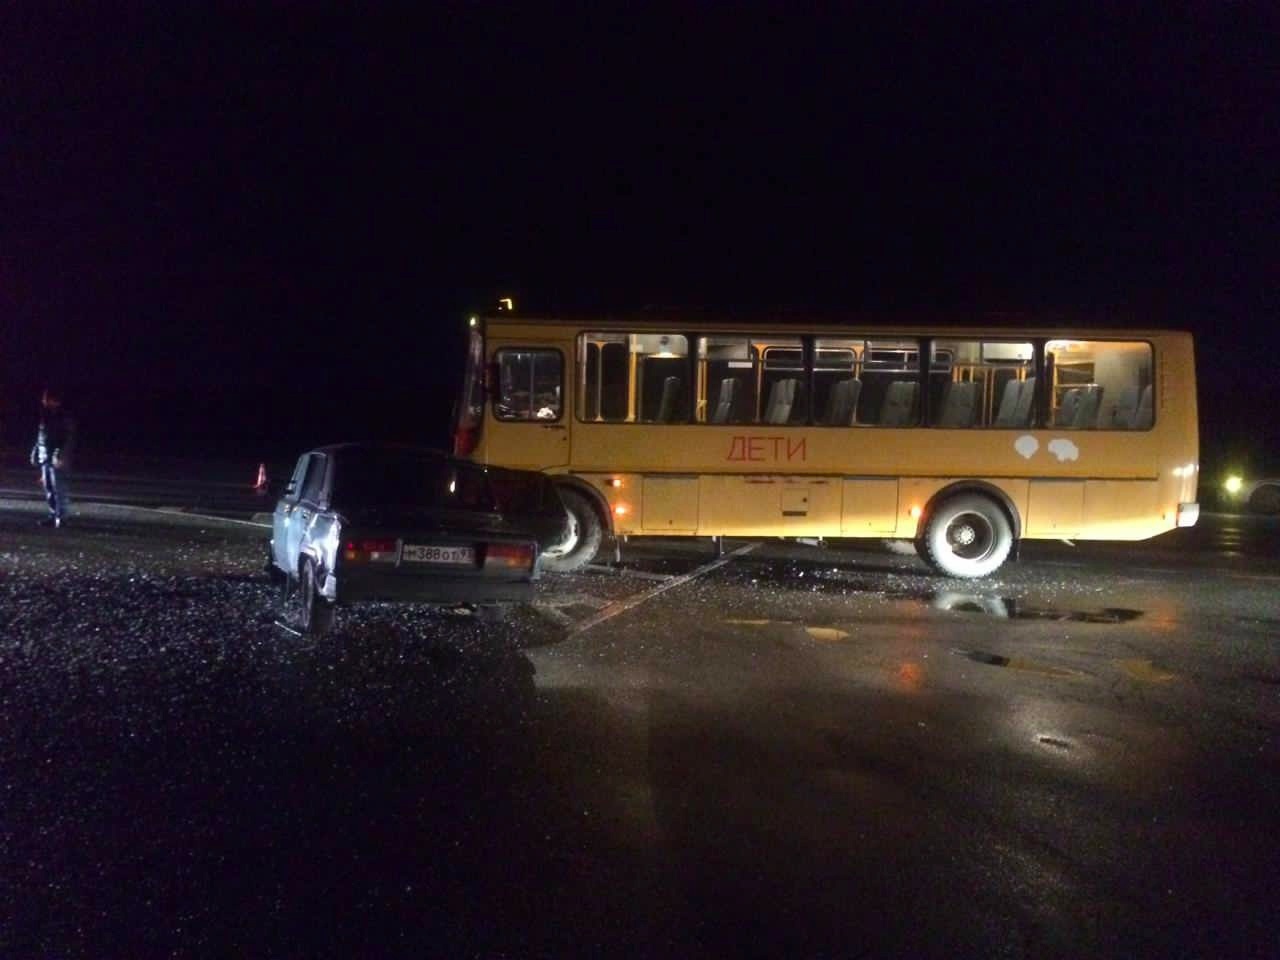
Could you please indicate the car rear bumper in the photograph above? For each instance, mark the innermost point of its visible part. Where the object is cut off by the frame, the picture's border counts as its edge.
(356, 586)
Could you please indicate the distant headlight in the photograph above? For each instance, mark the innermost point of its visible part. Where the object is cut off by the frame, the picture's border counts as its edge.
(1233, 485)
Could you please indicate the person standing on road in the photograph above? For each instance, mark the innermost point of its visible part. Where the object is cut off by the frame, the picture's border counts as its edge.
(55, 438)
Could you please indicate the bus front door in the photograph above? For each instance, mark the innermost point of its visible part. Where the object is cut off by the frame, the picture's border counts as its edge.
(528, 423)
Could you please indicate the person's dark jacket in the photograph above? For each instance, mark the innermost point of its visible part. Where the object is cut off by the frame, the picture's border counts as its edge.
(55, 439)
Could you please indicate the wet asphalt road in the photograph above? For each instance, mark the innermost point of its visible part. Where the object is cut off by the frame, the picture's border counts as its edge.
(793, 752)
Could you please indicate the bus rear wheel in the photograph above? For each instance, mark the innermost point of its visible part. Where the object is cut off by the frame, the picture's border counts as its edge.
(582, 535)
(967, 536)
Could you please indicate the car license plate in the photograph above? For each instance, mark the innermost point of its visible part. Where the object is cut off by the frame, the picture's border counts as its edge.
(427, 553)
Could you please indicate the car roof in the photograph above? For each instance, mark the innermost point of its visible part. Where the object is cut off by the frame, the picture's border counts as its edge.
(365, 447)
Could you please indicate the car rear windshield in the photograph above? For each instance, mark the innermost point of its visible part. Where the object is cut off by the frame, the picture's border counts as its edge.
(390, 477)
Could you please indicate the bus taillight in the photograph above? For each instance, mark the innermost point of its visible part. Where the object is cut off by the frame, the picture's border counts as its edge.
(470, 415)
(464, 440)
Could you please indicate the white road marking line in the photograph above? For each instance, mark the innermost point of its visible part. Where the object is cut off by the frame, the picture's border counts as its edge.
(171, 512)
(285, 626)
(555, 615)
(573, 600)
(622, 606)
(624, 572)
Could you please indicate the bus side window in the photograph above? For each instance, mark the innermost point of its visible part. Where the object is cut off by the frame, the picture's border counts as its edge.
(1099, 384)
(981, 383)
(783, 386)
(530, 384)
(728, 372)
(836, 383)
(890, 373)
(633, 377)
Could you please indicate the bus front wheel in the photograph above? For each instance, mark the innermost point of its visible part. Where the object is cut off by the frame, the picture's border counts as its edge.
(968, 536)
(582, 535)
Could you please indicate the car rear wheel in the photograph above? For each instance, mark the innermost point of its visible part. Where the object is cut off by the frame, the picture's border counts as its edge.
(582, 536)
(317, 614)
(968, 535)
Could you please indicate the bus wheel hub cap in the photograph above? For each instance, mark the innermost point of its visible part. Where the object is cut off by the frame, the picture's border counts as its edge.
(964, 536)
(570, 539)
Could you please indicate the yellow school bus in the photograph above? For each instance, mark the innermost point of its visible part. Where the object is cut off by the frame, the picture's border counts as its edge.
(962, 441)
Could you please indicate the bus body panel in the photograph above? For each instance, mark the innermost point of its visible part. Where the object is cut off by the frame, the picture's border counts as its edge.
(871, 481)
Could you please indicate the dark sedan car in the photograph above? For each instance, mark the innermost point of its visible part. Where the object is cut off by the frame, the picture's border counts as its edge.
(363, 522)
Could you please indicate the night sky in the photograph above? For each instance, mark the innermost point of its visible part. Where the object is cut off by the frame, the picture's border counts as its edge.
(252, 228)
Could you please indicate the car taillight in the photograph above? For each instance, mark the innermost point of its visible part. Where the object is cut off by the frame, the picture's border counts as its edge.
(464, 441)
(370, 551)
(517, 556)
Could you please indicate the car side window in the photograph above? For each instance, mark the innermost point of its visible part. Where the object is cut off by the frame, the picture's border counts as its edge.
(313, 480)
(294, 487)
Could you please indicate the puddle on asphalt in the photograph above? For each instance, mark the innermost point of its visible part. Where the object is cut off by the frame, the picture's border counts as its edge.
(827, 634)
(1145, 671)
(1001, 608)
(821, 634)
(1016, 663)
(1008, 608)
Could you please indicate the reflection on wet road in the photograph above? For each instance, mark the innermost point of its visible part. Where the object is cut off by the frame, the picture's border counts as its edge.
(788, 751)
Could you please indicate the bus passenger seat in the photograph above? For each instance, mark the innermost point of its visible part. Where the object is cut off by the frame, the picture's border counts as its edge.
(781, 397)
(1026, 403)
(724, 410)
(842, 403)
(670, 401)
(1086, 417)
(1066, 412)
(959, 403)
(1117, 414)
(899, 404)
(1142, 418)
(1007, 414)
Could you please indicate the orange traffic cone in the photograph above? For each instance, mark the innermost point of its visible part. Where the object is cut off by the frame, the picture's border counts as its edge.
(260, 485)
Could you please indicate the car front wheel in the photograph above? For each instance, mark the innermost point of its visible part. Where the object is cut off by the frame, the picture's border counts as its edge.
(968, 536)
